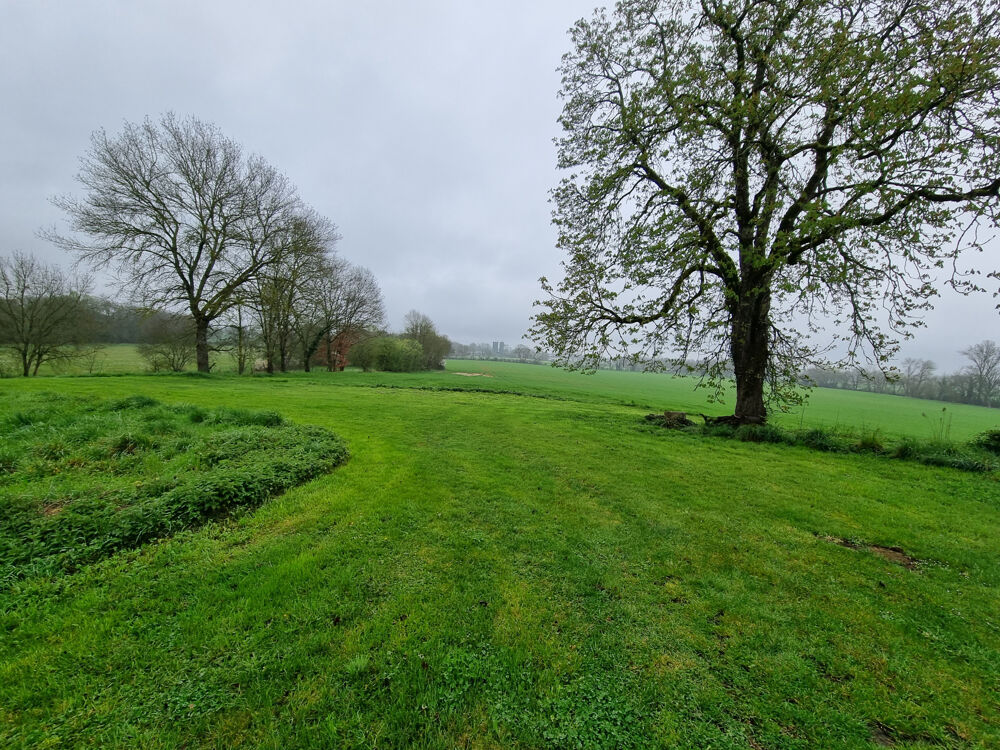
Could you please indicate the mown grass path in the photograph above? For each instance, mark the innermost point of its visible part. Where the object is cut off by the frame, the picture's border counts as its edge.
(491, 570)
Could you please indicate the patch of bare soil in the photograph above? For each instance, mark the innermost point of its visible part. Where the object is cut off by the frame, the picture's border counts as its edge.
(892, 554)
(881, 734)
(672, 420)
(473, 374)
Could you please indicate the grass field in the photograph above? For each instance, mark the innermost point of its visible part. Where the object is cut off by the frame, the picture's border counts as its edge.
(500, 570)
(825, 407)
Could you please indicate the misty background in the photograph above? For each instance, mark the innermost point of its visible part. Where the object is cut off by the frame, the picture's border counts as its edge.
(424, 131)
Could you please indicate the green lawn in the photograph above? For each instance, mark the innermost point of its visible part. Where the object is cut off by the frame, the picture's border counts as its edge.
(825, 407)
(496, 570)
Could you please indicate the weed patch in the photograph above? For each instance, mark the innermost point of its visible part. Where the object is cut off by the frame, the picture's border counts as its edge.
(976, 456)
(101, 477)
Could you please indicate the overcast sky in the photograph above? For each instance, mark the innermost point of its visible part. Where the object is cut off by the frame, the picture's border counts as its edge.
(424, 130)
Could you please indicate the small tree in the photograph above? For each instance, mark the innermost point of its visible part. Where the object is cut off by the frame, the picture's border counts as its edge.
(740, 168)
(182, 216)
(984, 371)
(917, 374)
(435, 347)
(45, 314)
(351, 305)
(241, 337)
(283, 293)
(168, 342)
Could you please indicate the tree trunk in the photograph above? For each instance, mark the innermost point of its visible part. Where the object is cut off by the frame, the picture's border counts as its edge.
(329, 353)
(750, 349)
(201, 343)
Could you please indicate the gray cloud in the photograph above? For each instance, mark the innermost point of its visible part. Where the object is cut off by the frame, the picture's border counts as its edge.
(424, 130)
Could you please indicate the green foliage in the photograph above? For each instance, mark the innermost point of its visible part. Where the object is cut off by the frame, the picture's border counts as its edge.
(389, 354)
(870, 440)
(989, 441)
(760, 433)
(99, 482)
(732, 167)
(820, 440)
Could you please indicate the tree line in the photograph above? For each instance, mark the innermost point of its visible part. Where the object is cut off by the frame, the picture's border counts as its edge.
(213, 249)
(323, 312)
(978, 382)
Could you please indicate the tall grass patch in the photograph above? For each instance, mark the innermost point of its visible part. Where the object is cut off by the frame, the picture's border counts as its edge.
(82, 479)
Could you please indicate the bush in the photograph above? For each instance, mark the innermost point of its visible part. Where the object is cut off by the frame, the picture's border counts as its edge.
(870, 441)
(820, 440)
(988, 441)
(389, 354)
(760, 433)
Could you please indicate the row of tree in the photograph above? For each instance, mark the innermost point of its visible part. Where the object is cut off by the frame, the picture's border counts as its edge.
(210, 244)
(188, 223)
(976, 383)
(314, 310)
(485, 350)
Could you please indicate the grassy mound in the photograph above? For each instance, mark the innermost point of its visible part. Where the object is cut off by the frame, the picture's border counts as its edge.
(81, 479)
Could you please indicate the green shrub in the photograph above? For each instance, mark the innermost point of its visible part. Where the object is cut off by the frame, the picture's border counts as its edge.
(719, 430)
(820, 440)
(870, 441)
(388, 353)
(760, 433)
(957, 460)
(906, 448)
(988, 441)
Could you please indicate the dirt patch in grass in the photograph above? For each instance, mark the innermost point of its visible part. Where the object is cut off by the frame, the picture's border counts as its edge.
(892, 554)
(881, 734)
(473, 374)
(672, 420)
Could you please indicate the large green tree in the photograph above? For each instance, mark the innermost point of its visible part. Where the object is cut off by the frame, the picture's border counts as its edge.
(740, 171)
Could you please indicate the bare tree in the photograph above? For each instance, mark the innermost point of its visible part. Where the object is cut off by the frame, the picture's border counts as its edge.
(241, 338)
(282, 294)
(984, 371)
(350, 302)
(182, 216)
(168, 342)
(43, 312)
(916, 377)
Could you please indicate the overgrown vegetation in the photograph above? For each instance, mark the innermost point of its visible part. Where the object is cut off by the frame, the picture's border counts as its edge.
(82, 480)
(979, 455)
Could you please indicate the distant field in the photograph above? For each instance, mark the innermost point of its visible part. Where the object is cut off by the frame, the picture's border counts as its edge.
(830, 408)
(492, 570)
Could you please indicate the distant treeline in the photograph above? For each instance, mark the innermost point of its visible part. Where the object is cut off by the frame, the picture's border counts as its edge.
(976, 383)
